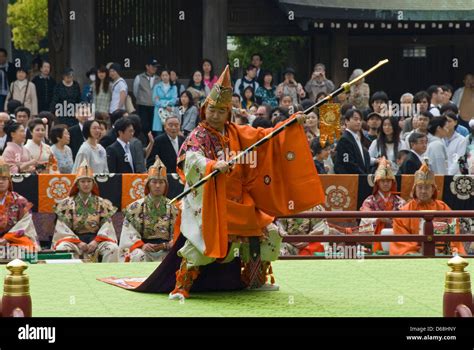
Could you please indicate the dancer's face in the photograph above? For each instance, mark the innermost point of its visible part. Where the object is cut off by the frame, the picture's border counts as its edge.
(216, 117)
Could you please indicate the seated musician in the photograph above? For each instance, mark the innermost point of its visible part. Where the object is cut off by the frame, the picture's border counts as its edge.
(304, 226)
(16, 221)
(147, 231)
(84, 224)
(383, 198)
(424, 194)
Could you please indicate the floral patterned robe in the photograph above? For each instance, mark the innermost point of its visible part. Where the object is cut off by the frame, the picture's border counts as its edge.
(16, 221)
(146, 221)
(76, 217)
(378, 202)
(302, 226)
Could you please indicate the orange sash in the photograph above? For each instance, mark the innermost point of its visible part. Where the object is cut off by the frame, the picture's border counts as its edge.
(19, 240)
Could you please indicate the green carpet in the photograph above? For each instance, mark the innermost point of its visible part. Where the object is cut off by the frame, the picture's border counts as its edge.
(307, 288)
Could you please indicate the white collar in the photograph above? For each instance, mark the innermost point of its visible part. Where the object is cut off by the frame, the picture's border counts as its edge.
(454, 136)
(30, 142)
(356, 136)
(2, 201)
(123, 143)
(171, 139)
(419, 157)
(385, 199)
(84, 200)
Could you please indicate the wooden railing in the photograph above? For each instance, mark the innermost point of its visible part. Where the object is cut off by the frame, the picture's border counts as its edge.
(427, 238)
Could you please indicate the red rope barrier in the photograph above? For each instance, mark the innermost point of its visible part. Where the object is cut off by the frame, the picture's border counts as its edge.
(427, 238)
(427, 215)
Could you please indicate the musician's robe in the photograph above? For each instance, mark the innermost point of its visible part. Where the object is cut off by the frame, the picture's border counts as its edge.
(379, 202)
(77, 221)
(405, 226)
(146, 221)
(16, 222)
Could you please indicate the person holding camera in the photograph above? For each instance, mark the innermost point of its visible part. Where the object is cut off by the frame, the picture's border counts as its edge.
(318, 83)
(290, 87)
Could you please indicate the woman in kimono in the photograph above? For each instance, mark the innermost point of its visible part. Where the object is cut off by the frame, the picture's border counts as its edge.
(39, 150)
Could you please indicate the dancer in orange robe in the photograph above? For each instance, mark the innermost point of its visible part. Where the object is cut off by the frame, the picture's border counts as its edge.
(220, 218)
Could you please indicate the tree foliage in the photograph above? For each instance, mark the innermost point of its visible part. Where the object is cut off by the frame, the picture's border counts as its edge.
(28, 20)
(274, 50)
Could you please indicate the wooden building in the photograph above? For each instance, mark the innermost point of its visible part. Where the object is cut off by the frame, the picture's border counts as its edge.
(426, 42)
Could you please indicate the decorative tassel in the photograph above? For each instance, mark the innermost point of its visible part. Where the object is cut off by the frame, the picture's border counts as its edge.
(52, 164)
(270, 273)
(329, 123)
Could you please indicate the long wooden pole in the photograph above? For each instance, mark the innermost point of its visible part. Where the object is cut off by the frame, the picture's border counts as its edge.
(343, 88)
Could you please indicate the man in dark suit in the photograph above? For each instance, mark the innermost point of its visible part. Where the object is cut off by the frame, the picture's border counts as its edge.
(138, 154)
(109, 138)
(257, 61)
(7, 76)
(121, 156)
(167, 145)
(138, 142)
(111, 135)
(8, 67)
(83, 114)
(418, 144)
(351, 156)
(4, 117)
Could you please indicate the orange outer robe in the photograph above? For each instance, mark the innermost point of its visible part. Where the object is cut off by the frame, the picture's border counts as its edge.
(405, 226)
(244, 201)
